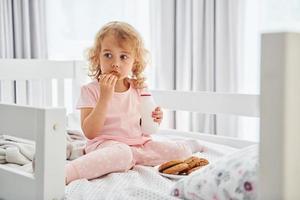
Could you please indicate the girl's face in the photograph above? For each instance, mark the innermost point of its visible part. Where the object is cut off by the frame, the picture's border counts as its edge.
(116, 57)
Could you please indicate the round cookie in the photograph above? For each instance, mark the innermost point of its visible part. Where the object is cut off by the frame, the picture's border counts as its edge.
(194, 162)
(193, 169)
(176, 169)
(168, 164)
(190, 159)
(183, 167)
(198, 162)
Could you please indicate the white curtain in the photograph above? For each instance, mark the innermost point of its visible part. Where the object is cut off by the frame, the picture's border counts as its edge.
(162, 25)
(195, 59)
(229, 57)
(23, 35)
(197, 45)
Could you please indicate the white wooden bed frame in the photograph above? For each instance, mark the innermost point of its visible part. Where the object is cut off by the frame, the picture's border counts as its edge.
(279, 113)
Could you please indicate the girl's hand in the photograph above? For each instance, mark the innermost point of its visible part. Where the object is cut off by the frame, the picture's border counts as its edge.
(157, 115)
(107, 84)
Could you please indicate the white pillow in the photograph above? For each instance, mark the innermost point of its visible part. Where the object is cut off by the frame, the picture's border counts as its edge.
(232, 177)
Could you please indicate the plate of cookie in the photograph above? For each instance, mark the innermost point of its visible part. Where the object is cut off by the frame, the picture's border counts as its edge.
(177, 169)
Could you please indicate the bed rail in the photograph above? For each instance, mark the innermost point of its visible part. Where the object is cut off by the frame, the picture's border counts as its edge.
(30, 69)
(41, 82)
(45, 126)
(208, 102)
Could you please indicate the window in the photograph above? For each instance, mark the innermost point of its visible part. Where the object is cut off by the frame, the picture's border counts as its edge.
(73, 24)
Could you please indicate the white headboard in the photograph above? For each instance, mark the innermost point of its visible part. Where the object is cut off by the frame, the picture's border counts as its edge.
(41, 82)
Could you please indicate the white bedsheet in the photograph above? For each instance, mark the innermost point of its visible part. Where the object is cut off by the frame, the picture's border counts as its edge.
(139, 183)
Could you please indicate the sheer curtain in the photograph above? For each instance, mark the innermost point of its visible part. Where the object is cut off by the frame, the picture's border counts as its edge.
(195, 59)
(23, 32)
(23, 35)
(198, 47)
(229, 54)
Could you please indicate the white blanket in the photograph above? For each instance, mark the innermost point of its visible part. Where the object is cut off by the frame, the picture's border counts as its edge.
(19, 153)
(139, 183)
(75, 144)
(14, 150)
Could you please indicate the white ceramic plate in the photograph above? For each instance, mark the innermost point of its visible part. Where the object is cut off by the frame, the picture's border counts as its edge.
(170, 176)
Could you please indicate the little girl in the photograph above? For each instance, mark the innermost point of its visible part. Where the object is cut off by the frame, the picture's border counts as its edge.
(110, 118)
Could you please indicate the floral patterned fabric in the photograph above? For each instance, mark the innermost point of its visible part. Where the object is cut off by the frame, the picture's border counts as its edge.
(233, 177)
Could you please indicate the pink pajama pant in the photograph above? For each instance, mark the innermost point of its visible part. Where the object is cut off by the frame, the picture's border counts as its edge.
(113, 156)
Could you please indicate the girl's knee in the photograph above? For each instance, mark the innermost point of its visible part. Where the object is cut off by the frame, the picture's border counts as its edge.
(125, 157)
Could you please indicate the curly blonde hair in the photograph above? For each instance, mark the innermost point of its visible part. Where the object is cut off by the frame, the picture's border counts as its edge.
(125, 33)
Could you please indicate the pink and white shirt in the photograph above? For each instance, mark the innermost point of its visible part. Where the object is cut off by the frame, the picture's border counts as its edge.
(122, 121)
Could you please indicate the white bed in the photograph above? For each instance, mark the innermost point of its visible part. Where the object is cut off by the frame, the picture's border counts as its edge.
(46, 125)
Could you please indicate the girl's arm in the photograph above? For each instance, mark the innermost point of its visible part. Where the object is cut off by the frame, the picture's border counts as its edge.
(92, 119)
